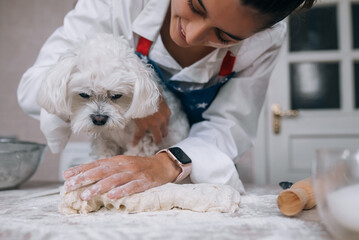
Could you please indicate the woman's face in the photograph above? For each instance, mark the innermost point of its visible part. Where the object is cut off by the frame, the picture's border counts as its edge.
(214, 23)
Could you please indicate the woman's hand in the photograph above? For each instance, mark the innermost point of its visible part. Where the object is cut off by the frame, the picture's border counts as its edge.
(157, 124)
(121, 175)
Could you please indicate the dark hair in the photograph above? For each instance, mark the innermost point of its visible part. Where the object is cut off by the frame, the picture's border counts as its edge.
(277, 10)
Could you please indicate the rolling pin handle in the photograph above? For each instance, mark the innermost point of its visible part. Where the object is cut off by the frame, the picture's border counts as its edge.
(300, 196)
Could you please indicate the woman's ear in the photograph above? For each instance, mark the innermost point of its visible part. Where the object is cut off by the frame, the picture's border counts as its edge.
(53, 95)
(146, 93)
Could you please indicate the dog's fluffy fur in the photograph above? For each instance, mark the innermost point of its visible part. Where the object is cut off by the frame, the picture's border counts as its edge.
(101, 86)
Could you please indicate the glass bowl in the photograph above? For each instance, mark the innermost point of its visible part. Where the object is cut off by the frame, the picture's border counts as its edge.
(8, 139)
(19, 160)
(336, 188)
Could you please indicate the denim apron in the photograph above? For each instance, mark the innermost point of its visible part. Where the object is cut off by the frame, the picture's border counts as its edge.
(194, 102)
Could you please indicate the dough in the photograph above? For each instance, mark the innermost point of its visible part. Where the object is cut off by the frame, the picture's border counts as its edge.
(196, 197)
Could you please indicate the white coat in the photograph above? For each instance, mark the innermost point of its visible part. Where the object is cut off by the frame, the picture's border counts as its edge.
(214, 145)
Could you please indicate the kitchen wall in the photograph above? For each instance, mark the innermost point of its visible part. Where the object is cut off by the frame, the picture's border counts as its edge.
(24, 27)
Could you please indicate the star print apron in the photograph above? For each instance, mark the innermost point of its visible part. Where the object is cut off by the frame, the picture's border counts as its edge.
(196, 101)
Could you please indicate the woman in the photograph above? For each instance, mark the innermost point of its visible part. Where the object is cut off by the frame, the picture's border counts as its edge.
(221, 52)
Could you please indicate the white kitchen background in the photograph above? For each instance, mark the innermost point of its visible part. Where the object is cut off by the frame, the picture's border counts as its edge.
(317, 74)
(24, 27)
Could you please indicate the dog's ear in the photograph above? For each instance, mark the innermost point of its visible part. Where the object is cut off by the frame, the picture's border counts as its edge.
(53, 95)
(146, 93)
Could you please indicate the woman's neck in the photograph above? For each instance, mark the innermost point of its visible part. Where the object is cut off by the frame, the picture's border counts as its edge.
(184, 56)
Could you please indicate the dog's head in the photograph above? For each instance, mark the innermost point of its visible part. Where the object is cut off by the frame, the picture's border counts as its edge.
(100, 85)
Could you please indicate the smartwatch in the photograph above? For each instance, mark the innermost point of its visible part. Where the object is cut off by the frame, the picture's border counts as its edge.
(181, 159)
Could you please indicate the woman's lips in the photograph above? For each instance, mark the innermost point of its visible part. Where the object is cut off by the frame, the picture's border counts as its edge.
(181, 32)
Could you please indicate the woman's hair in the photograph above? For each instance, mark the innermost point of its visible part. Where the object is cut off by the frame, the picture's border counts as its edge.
(277, 10)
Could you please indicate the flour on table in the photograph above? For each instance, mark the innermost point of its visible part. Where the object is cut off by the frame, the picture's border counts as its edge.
(196, 197)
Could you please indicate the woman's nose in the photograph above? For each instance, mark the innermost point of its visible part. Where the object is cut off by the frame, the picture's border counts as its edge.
(196, 32)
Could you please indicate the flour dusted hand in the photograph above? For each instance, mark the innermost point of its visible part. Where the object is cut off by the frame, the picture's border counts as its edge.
(120, 176)
(196, 197)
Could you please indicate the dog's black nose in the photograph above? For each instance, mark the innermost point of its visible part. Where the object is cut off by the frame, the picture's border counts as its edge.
(99, 119)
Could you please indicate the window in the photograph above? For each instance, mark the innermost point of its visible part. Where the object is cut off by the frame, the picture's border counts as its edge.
(314, 30)
(323, 57)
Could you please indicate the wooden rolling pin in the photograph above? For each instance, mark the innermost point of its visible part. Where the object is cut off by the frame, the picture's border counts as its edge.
(300, 196)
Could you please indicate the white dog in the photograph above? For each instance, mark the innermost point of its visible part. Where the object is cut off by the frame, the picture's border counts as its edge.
(101, 87)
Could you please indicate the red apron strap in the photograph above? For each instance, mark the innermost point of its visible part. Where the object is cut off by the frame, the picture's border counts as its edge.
(227, 64)
(143, 46)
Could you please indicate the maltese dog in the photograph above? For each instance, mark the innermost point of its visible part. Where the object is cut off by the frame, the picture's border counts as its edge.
(101, 86)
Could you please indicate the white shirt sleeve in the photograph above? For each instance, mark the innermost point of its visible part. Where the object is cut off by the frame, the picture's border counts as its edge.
(214, 145)
(88, 17)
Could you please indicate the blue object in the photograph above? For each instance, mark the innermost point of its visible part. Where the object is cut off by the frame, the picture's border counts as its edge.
(194, 102)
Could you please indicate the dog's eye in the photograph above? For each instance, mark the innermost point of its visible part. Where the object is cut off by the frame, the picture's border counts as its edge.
(84, 95)
(116, 96)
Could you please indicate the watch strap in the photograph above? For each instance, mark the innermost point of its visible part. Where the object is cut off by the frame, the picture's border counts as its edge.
(186, 168)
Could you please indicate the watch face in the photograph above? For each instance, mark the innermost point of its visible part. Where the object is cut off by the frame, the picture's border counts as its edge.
(180, 155)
